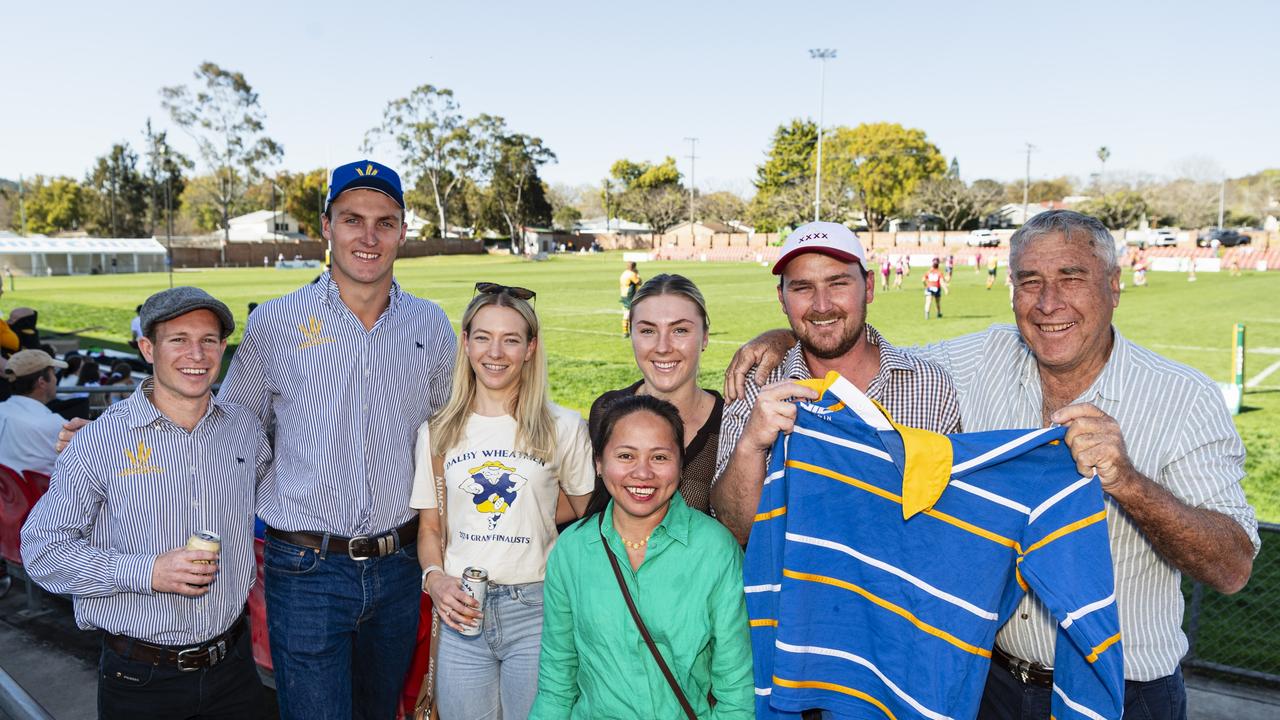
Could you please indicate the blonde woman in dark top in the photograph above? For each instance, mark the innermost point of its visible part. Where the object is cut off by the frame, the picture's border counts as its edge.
(669, 328)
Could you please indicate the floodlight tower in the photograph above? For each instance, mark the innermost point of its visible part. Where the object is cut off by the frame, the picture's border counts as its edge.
(822, 55)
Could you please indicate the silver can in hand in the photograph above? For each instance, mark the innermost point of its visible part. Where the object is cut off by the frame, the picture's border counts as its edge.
(475, 583)
(206, 540)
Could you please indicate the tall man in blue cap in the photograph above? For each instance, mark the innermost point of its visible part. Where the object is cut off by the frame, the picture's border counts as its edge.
(346, 369)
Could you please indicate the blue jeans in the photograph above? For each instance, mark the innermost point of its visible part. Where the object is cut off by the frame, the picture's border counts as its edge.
(1006, 698)
(342, 630)
(494, 674)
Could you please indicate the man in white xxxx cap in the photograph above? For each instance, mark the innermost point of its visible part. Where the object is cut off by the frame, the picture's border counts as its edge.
(824, 291)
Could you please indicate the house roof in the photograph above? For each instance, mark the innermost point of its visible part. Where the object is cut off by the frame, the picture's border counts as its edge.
(259, 216)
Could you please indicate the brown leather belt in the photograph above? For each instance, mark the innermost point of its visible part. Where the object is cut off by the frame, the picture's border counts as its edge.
(361, 547)
(188, 659)
(1027, 672)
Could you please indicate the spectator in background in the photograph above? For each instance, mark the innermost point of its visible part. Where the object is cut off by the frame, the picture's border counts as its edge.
(135, 328)
(23, 322)
(121, 374)
(90, 373)
(9, 342)
(28, 428)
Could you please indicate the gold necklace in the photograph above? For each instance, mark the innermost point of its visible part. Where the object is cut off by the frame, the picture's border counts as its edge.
(636, 545)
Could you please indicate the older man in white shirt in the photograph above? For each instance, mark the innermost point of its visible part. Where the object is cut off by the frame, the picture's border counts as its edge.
(28, 428)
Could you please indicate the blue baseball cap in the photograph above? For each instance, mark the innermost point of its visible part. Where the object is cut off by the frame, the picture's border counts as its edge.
(365, 174)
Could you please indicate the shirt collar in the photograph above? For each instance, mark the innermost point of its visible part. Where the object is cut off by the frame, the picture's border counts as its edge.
(675, 524)
(1109, 385)
(143, 413)
(328, 292)
(29, 405)
(891, 358)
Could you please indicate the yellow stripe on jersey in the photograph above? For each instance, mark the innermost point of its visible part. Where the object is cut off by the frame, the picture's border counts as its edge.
(1066, 530)
(935, 514)
(895, 609)
(764, 622)
(819, 685)
(771, 514)
(1102, 647)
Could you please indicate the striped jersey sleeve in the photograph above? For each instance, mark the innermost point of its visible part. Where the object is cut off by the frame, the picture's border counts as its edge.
(868, 602)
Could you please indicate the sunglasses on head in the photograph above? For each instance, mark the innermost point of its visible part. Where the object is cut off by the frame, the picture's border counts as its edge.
(489, 288)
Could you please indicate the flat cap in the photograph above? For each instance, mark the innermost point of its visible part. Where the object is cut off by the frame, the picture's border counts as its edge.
(169, 304)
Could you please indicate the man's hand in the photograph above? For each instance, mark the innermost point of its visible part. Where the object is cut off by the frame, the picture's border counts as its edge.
(764, 353)
(185, 572)
(773, 413)
(1097, 445)
(68, 431)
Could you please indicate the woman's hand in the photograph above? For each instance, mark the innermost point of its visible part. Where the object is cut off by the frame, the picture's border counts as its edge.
(454, 606)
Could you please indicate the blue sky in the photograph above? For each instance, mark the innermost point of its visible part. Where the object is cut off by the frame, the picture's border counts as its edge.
(1165, 85)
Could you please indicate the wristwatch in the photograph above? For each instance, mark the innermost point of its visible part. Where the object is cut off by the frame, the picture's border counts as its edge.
(427, 571)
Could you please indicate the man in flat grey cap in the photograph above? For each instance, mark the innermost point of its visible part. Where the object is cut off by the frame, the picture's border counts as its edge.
(165, 464)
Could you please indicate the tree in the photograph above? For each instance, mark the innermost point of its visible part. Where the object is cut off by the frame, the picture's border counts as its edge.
(1117, 210)
(651, 193)
(874, 168)
(507, 165)
(434, 143)
(117, 204)
(784, 197)
(51, 205)
(164, 178)
(304, 195)
(565, 217)
(1184, 202)
(225, 119)
(960, 206)
(722, 206)
(1039, 190)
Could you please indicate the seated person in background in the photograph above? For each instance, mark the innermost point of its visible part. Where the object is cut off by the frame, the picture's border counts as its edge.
(22, 321)
(121, 374)
(90, 373)
(28, 428)
(70, 376)
(8, 338)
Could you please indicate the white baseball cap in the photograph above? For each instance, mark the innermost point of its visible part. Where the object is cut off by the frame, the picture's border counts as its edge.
(827, 238)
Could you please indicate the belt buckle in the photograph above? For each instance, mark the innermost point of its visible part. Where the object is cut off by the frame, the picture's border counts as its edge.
(188, 653)
(351, 544)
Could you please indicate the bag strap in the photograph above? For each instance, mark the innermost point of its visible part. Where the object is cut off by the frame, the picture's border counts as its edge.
(437, 474)
(644, 631)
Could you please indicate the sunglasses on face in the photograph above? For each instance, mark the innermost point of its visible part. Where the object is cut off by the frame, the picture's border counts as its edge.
(488, 288)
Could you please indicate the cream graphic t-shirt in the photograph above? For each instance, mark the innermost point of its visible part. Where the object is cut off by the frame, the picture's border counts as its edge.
(502, 502)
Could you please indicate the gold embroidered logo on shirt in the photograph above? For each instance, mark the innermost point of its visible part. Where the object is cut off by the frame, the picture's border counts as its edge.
(312, 334)
(139, 461)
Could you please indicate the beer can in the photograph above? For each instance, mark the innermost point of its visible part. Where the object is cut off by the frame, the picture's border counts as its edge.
(475, 582)
(205, 540)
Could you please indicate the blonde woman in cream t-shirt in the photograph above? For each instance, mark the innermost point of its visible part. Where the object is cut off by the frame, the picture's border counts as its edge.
(508, 452)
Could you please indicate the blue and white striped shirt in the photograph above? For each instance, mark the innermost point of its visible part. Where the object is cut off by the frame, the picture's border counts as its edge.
(133, 485)
(346, 404)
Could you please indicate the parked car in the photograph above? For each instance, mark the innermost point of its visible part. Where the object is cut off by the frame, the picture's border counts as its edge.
(982, 238)
(1225, 238)
(1162, 238)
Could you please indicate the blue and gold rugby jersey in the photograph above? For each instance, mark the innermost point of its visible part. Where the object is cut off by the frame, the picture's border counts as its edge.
(884, 559)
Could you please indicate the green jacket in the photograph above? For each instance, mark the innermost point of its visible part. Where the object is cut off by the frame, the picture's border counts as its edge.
(594, 662)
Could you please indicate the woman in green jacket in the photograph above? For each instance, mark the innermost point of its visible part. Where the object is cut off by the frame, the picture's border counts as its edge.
(682, 569)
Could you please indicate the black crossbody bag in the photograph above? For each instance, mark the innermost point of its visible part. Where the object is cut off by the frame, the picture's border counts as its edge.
(644, 631)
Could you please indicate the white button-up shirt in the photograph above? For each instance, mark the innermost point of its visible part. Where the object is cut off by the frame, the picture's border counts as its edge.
(28, 433)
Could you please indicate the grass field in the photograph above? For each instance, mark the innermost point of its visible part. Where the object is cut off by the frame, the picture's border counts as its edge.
(577, 301)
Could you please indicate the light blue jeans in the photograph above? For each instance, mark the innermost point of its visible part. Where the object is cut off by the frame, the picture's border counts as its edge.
(494, 674)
